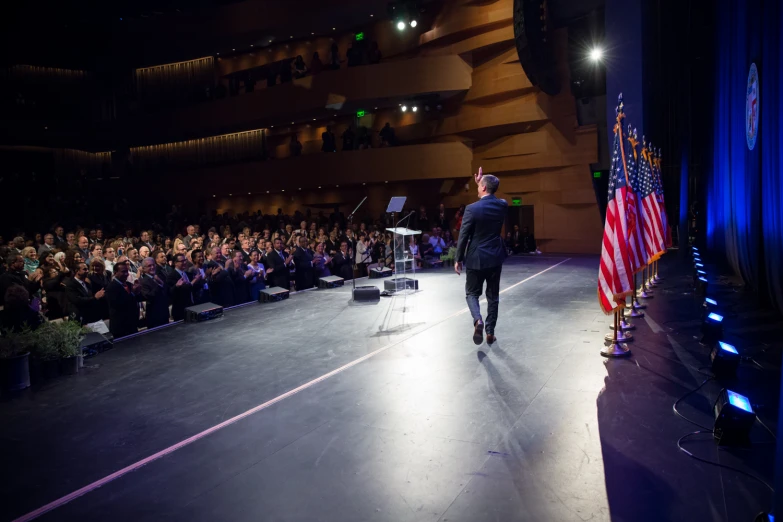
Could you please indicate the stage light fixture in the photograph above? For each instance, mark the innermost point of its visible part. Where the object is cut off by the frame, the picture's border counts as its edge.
(414, 23)
(709, 305)
(415, 108)
(401, 25)
(734, 417)
(404, 108)
(596, 54)
(699, 266)
(712, 328)
(725, 360)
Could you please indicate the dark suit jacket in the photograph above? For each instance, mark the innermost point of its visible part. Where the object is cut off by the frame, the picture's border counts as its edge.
(221, 288)
(157, 298)
(281, 275)
(81, 302)
(200, 294)
(303, 259)
(123, 309)
(480, 244)
(181, 296)
(342, 266)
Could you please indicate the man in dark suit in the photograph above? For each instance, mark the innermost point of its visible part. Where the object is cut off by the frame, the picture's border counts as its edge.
(155, 293)
(123, 302)
(481, 248)
(81, 301)
(180, 288)
(162, 268)
(303, 259)
(342, 262)
(278, 265)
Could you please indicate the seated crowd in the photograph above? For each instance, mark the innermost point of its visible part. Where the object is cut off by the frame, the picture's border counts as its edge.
(148, 279)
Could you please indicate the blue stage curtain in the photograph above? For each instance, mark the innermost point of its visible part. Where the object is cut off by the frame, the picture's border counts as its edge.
(743, 207)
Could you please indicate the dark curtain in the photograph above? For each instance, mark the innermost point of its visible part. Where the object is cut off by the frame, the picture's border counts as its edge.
(743, 192)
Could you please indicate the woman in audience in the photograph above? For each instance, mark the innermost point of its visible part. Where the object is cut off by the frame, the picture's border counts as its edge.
(448, 239)
(321, 262)
(30, 256)
(257, 281)
(96, 251)
(72, 259)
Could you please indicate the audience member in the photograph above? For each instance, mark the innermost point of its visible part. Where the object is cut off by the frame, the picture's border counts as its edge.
(81, 302)
(334, 57)
(321, 261)
(257, 282)
(299, 67)
(180, 287)
(123, 302)
(278, 263)
(16, 275)
(48, 245)
(342, 262)
(17, 313)
(329, 140)
(387, 136)
(295, 146)
(303, 261)
(155, 293)
(349, 138)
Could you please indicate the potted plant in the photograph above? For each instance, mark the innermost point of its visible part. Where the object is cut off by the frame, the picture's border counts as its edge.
(14, 362)
(69, 338)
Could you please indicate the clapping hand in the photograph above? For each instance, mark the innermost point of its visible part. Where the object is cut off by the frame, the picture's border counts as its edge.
(136, 285)
(99, 293)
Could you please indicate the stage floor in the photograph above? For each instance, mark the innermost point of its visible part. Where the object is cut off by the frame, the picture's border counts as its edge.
(386, 412)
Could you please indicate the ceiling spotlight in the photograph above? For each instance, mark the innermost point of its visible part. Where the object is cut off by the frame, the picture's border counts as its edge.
(251, 45)
(300, 188)
(218, 54)
(401, 25)
(248, 193)
(370, 16)
(414, 23)
(364, 183)
(596, 54)
(213, 195)
(283, 190)
(230, 194)
(439, 106)
(319, 186)
(267, 192)
(334, 28)
(291, 36)
(338, 186)
(415, 108)
(404, 108)
(233, 49)
(271, 126)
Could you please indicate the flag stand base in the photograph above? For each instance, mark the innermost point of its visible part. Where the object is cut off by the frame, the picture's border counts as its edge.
(644, 294)
(634, 312)
(615, 349)
(622, 337)
(624, 325)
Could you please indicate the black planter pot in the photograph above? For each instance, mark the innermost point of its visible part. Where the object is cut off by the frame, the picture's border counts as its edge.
(70, 365)
(15, 373)
(41, 371)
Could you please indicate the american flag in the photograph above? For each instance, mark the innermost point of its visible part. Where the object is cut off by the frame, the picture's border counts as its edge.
(615, 279)
(667, 229)
(653, 228)
(639, 254)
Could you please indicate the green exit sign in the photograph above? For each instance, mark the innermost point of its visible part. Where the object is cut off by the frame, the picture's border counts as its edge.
(360, 36)
(359, 114)
(596, 174)
(516, 202)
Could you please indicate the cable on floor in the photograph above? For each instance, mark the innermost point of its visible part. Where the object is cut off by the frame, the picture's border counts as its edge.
(674, 406)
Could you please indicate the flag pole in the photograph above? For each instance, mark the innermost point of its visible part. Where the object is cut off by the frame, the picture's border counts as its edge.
(615, 346)
(635, 309)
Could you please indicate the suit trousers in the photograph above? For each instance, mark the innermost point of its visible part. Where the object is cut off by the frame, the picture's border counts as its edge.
(474, 285)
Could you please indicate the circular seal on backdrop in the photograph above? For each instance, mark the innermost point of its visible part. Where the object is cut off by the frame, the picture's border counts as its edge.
(752, 107)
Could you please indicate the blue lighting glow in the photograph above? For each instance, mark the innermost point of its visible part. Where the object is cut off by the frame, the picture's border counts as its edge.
(712, 302)
(740, 401)
(699, 265)
(727, 347)
(701, 272)
(702, 279)
(715, 317)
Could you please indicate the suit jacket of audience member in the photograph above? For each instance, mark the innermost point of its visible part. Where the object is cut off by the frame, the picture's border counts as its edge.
(442, 222)
(123, 309)
(157, 298)
(181, 296)
(163, 271)
(342, 265)
(221, 288)
(281, 275)
(241, 285)
(146, 244)
(81, 301)
(200, 288)
(43, 249)
(303, 260)
(480, 244)
(8, 279)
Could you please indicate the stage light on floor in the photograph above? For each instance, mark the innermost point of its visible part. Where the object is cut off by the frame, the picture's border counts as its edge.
(709, 306)
(596, 54)
(701, 286)
(699, 266)
(712, 329)
(734, 417)
(725, 360)
(401, 25)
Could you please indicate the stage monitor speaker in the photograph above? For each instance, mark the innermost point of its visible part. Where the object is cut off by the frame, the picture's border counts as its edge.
(330, 282)
(273, 294)
(379, 272)
(534, 44)
(366, 293)
(95, 343)
(203, 312)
